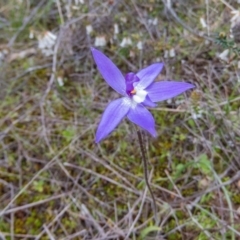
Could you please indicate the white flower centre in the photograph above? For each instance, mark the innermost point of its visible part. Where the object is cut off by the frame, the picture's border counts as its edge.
(140, 95)
(128, 101)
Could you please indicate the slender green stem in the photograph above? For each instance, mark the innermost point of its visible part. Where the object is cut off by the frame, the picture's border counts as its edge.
(145, 167)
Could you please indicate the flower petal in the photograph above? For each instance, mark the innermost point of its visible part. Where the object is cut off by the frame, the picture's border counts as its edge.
(148, 74)
(143, 118)
(109, 71)
(163, 90)
(148, 102)
(112, 116)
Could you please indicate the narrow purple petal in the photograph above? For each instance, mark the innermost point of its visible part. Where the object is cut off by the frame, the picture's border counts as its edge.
(148, 74)
(110, 72)
(163, 90)
(143, 118)
(113, 114)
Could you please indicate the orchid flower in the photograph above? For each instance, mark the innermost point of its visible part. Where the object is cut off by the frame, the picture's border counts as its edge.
(138, 92)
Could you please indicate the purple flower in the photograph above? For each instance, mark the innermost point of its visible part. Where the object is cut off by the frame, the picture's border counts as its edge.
(138, 90)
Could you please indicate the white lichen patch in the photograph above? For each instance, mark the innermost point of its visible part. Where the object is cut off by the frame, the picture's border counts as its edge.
(89, 29)
(140, 45)
(100, 41)
(203, 22)
(224, 55)
(46, 43)
(126, 42)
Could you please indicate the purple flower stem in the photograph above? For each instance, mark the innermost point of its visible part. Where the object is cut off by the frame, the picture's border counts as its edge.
(146, 177)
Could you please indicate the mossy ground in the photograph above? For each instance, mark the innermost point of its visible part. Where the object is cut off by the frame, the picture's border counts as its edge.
(56, 183)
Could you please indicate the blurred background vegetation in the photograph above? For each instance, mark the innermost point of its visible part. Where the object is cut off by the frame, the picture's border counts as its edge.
(56, 183)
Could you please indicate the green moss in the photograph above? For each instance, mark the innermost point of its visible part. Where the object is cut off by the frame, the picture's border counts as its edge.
(188, 192)
(236, 198)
